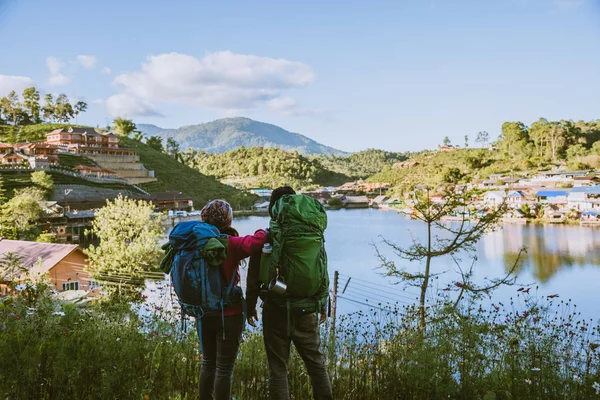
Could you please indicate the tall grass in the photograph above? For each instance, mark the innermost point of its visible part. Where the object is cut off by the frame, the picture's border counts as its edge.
(530, 348)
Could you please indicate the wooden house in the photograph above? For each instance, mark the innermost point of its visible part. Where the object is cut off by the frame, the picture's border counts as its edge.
(63, 264)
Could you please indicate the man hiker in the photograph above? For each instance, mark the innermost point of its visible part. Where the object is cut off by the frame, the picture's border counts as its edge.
(296, 293)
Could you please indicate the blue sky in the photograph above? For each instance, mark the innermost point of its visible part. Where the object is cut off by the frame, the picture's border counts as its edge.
(398, 75)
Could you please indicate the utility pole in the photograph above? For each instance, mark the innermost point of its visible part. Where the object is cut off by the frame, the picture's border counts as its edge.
(336, 276)
(332, 314)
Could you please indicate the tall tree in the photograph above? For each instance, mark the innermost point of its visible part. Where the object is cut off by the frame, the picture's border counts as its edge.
(155, 142)
(539, 135)
(128, 233)
(49, 108)
(483, 137)
(123, 127)
(24, 208)
(63, 109)
(466, 140)
(31, 103)
(44, 181)
(172, 148)
(447, 141)
(514, 134)
(12, 108)
(80, 107)
(443, 240)
(138, 136)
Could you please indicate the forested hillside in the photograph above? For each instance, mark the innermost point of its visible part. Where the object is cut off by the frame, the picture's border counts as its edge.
(524, 149)
(258, 166)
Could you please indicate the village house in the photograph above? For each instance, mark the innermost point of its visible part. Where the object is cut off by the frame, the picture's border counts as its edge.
(264, 193)
(87, 140)
(176, 201)
(516, 198)
(582, 181)
(378, 201)
(12, 159)
(494, 198)
(590, 217)
(262, 206)
(584, 198)
(42, 161)
(63, 264)
(322, 197)
(552, 196)
(356, 202)
(35, 149)
(5, 148)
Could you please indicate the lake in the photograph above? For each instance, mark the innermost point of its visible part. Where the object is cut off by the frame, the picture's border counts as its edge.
(560, 259)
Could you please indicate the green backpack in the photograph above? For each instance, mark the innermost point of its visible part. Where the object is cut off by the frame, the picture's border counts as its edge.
(297, 235)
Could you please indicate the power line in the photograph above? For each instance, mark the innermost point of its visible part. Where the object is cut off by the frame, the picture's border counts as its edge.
(375, 296)
(375, 286)
(365, 304)
(380, 292)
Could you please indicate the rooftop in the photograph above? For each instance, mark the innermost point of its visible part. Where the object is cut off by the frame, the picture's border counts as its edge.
(36, 257)
(552, 193)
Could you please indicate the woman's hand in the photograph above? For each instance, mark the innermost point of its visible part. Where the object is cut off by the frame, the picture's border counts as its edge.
(253, 318)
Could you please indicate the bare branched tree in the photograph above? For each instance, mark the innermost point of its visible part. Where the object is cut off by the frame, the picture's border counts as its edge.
(471, 221)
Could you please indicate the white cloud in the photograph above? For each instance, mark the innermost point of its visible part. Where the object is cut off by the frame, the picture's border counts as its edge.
(58, 80)
(124, 105)
(221, 80)
(106, 71)
(55, 64)
(86, 61)
(16, 83)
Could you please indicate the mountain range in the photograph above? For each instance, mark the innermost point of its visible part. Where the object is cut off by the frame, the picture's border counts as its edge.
(230, 133)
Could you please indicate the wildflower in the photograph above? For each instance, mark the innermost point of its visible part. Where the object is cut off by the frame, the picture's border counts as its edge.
(596, 387)
(30, 311)
(528, 381)
(577, 378)
(459, 284)
(118, 339)
(59, 313)
(20, 287)
(183, 359)
(536, 369)
(146, 397)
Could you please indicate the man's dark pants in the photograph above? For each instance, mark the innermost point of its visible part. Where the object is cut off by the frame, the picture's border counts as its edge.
(219, 355)
(304, 333)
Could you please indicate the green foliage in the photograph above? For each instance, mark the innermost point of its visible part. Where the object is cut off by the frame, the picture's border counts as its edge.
(23, 209)
(335, 202)
(174, 176)
(3, 197)
(536, 349)
(452, 175)
(446, 141)
(43, 180)
(46, 238)
(360, 165)
(155, 142)
(128, 233)
(123, 127)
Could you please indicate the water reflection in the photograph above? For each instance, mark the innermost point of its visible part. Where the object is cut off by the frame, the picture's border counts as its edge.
(550, 248)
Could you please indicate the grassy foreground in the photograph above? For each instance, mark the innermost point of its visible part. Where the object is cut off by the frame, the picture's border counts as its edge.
(530, 349)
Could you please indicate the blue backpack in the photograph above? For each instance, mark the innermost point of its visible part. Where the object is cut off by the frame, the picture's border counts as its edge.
(196, 255)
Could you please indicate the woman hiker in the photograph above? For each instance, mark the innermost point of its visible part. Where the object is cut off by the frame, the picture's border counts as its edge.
(221, 341)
